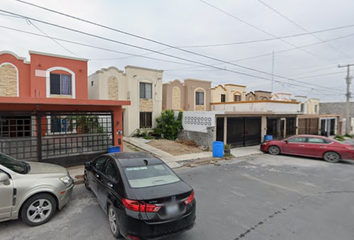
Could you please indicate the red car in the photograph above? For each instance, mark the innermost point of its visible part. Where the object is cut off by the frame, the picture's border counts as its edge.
(310, 146)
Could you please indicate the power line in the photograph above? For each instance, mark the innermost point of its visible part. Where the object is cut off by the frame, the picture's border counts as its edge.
(91, 46)
(251, 25)
(299, 26)
(169, 55)
(266, 39)
(31, 23)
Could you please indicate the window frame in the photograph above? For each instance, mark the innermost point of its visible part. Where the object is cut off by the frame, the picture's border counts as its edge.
(223, 98)
(60, 84)
(237, 96)
(198, 98)
(143, 94)
(147, 119)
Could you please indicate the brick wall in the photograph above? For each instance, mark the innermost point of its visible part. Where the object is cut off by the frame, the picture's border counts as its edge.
(146, 105)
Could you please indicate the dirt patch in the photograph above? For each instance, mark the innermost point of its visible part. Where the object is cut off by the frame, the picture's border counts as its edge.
(173, 147)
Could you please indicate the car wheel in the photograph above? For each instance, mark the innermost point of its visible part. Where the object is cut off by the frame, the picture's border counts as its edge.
(274, 150)
(87, 186)
(113, 222)
(38, 209)
(331, 157)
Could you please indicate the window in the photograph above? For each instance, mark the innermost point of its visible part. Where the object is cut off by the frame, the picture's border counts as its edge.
(13, 164)
(91, 83)
(15, 126)
(145, 119)
(302, 107)
(150, 175)
(111, 171)
(98, 163)
(317, 140)
(223, 97)
(146, 90)
(60, 84)
(199, 98)
(297, 140)
(237, 98)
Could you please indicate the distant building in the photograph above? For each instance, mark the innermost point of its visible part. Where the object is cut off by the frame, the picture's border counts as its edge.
(189, 95)
(228, 93)
(339, 108)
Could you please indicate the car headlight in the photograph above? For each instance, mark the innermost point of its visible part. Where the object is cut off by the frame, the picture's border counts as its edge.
(67, 180)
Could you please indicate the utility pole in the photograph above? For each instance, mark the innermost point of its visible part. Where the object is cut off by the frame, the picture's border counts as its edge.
(348, 79)
(272, 72)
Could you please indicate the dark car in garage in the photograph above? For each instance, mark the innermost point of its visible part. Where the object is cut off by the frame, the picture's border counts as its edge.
(142, 197)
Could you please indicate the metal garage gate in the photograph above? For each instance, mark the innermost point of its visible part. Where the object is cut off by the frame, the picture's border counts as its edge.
(244, 131)
(44, 136)
(308, 126)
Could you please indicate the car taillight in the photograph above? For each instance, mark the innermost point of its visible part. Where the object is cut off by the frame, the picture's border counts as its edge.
(139, 206)
(189, 199)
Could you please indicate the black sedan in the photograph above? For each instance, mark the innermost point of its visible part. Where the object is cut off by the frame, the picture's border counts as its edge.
(142, 196)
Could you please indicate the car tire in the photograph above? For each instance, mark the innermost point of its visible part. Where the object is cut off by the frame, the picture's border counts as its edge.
(331, 157)
(274, 150)
(38, 209)
(113, 222)
(87, 186)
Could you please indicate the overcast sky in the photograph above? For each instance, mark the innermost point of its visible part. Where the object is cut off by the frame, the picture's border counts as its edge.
(192, 24)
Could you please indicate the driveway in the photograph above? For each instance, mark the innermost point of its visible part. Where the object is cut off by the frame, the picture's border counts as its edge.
(257, 197)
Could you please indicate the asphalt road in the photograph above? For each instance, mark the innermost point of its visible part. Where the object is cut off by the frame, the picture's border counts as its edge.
(260, 197)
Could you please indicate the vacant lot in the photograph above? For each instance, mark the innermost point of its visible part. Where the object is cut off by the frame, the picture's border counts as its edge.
(173, 147)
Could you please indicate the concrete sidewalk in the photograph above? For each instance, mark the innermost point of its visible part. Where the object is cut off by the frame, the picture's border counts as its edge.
(169, 159)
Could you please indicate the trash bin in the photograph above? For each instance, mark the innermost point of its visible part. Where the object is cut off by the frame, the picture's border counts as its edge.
(268, 137)
(113, 149)
(218, 149)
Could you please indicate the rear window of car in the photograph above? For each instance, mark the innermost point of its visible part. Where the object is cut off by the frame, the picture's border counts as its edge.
(150, 175)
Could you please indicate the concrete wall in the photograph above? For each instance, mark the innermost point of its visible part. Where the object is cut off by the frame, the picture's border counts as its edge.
(204, 139)
(128, 84)
(199, 121)
(261, 106)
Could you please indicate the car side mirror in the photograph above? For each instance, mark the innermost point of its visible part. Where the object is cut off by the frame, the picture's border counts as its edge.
(286, 141)
(88, 165)
(4, 178)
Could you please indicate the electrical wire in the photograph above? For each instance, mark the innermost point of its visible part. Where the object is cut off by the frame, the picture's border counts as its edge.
(169, 55)
(304, 29)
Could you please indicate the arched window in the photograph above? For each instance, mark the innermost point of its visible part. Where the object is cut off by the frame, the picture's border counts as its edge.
(113, 88)
(8, 80)
(237, 97)
(60, 82)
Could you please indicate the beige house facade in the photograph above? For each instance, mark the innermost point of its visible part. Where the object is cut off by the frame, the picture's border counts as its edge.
(228, 93)
(141, 86)
(189, 95)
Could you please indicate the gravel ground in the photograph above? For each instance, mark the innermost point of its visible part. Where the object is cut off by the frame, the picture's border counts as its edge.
(173, 147)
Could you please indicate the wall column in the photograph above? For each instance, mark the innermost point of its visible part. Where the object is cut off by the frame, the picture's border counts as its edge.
(225, 130)
(263, 127)
(118, 127)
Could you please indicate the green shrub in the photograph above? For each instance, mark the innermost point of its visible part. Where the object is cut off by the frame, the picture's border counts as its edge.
(339, 138)
(168, 125)
(349, 135)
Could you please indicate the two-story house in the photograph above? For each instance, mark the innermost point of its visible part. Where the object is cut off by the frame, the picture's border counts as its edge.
(141, 86)
(45, 113)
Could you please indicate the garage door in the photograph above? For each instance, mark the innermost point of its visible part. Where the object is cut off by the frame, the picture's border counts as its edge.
(244, 131)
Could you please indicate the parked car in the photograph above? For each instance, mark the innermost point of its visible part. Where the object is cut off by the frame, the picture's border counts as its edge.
(142, 196)
(31, 190)
(310, 146)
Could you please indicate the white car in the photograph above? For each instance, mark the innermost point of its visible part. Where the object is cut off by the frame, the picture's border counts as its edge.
(31, 190)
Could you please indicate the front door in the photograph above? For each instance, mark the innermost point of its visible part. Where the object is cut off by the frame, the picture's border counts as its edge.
(6, 196)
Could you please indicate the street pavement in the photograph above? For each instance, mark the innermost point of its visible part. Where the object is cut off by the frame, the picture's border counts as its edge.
(256, 197)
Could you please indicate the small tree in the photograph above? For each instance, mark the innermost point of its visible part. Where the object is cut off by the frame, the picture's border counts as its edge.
(168, 125)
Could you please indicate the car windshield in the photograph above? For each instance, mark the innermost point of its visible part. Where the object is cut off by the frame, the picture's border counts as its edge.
(151, 175)
(13, 164)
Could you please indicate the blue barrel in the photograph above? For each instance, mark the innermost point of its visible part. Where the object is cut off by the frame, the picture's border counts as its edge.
(268, 137)
(218, 149)
(113, 149)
